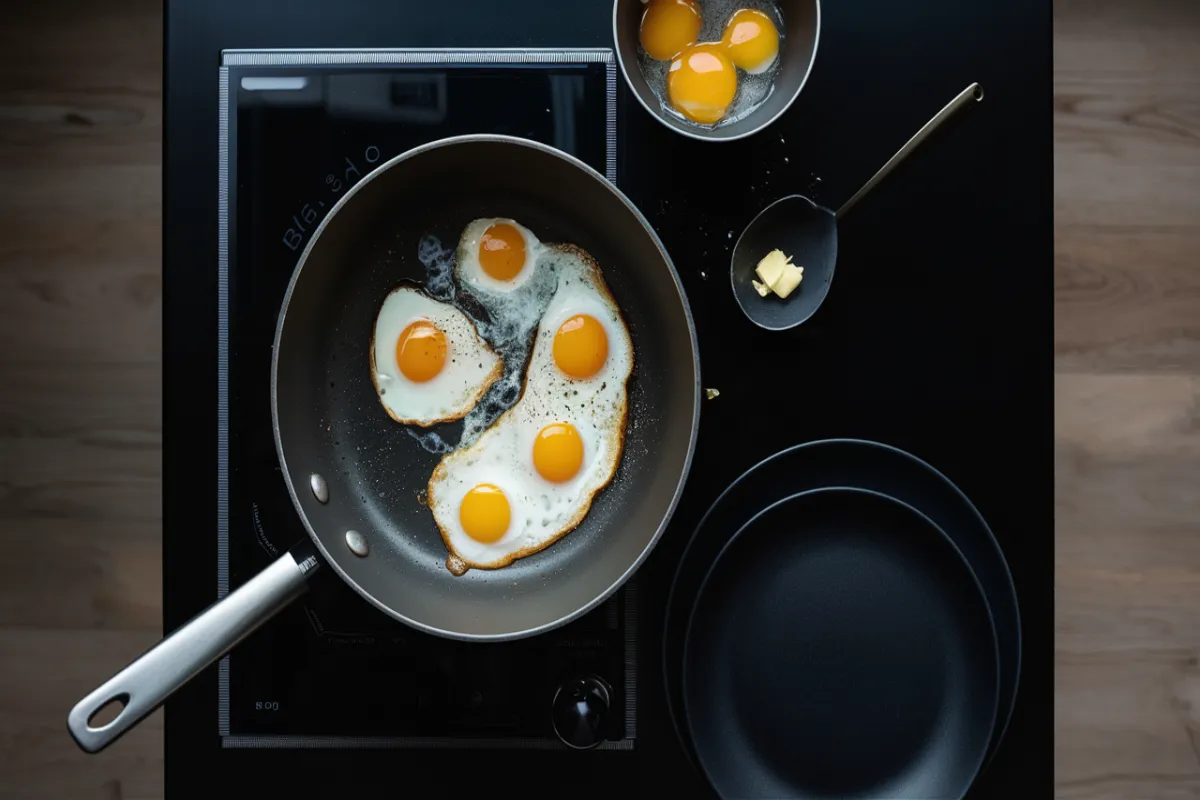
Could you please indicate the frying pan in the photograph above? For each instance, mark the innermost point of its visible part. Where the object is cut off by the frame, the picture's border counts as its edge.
(808, 233)
(840, 646)
(354, 475)
(868, 465)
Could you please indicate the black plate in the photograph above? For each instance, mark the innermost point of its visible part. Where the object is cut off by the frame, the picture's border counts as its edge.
(840, 646)
(868, 465)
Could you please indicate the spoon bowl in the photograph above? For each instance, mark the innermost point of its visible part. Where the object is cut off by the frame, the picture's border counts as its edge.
(805, 231)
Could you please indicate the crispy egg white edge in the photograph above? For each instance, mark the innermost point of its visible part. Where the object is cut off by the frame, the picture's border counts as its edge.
(492, 376)
(468, 252)
(508, 461)
(440, 472)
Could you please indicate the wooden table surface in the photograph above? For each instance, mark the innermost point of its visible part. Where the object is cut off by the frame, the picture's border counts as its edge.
(80, 390)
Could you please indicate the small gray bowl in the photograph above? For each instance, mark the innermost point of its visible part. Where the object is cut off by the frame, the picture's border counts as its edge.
(801, 31)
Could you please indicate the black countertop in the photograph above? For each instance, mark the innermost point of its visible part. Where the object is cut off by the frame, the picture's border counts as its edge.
(936, 338)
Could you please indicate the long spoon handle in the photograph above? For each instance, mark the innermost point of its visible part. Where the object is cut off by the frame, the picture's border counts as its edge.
(969, 96)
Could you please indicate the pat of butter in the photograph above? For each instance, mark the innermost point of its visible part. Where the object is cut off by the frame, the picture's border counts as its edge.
(789, 280)
(778, 274)
(762, 289)
(770, 268)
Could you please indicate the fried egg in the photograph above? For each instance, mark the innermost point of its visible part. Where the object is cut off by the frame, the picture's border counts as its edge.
(428, 363)
(496, 256)
(532, 476)
(515, 306)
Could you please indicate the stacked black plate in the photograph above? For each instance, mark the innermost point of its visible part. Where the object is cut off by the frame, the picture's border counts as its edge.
(843, 624)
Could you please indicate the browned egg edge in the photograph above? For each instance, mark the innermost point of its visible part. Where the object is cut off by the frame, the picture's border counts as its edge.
(492, 377)
(439, 472)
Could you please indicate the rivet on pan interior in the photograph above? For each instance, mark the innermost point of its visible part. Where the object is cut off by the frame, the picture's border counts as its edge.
(357, 543)
(320, 488)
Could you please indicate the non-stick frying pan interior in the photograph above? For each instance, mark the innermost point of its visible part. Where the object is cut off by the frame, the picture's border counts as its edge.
(330, 420)
(840, 647)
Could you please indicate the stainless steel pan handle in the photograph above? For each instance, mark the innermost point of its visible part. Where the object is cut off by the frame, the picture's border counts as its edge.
(159, 672)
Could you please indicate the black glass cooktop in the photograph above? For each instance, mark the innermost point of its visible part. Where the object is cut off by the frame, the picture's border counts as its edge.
(937, 338)
(333, 671)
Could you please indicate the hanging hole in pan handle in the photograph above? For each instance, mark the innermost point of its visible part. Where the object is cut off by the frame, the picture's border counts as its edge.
(109, 711)
(107, 714)
(141, 687)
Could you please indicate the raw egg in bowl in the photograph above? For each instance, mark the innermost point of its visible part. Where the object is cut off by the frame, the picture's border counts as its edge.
(772, 45)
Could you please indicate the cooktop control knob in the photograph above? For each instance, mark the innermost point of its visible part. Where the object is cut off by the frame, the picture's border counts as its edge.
(580, 713)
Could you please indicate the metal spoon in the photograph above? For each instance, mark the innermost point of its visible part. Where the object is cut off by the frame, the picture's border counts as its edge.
(808, 232)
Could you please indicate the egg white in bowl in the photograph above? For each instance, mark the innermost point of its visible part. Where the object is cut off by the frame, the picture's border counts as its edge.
(532, 476)
(428, 362)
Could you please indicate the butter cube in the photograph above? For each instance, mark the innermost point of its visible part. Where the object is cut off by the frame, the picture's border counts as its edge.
(778, 274)
(789, 280)
(770, 268)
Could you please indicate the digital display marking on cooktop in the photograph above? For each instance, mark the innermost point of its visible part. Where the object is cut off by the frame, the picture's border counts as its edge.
(298, 130)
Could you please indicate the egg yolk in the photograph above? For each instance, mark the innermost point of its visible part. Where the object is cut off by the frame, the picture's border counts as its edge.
(751, 40)
(421, 351)
(558, 452)
(485, 513)
(580, 346)
(701, 82)
(502, 251)
(668, 26)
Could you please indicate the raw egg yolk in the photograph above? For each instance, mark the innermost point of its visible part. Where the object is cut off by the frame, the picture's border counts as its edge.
(502, 251)
(421, 351)
(580, 346)
(484, 513)
(701, 82)
(668, 26)
(558, 452)
(751, 40)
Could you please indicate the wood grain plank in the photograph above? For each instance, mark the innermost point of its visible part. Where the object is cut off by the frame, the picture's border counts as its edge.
(1127, 112)
(70, 312)
(1126, 298)
(1141, 786)
(1128, 564)
(101, 576)
(77, 43)
(1126, 153)
(1127, 707)
(80, 383)
(124, 401)
(106, 234)
(54, 669)
(1128, 578)
(1127, 405)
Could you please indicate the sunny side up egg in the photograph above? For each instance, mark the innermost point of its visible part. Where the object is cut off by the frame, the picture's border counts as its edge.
(496, 256)
(428, 362)
(532, 476)
(509, 281)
